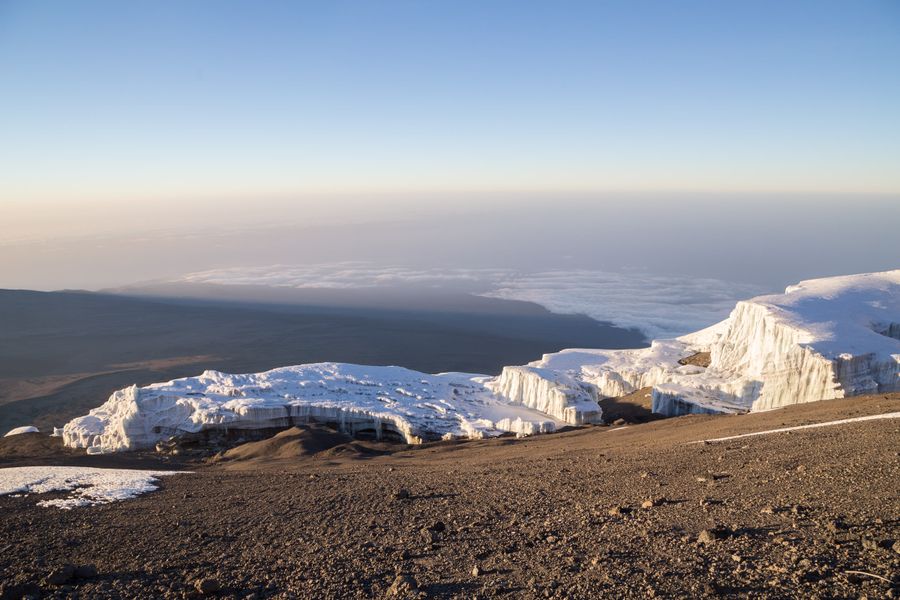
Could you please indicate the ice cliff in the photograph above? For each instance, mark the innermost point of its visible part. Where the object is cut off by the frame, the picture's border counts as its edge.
(821, 339)
(547, 391)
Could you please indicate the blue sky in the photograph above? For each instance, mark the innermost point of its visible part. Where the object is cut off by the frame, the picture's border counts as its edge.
(121, 101)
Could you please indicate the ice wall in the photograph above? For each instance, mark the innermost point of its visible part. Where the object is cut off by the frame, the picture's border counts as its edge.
(552, 392)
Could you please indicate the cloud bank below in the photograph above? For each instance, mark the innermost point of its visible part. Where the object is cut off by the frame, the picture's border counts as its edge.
(658, 305)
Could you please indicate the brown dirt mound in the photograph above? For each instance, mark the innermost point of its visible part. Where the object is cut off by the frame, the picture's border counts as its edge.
(293, 443)
(362, 449)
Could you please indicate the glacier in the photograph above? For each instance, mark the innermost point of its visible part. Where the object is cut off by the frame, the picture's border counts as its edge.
(391, 401)
(821, 339)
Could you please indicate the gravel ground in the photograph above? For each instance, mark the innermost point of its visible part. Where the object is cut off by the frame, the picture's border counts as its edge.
(635, 511)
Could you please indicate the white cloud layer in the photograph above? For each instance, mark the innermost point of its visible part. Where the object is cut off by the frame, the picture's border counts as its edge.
(659, 305)
(344, 275)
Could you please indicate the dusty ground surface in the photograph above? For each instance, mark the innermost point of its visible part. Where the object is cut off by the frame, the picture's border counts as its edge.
(636, 511)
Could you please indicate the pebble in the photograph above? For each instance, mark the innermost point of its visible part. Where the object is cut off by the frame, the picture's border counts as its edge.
(711, 536)
(869, 544)
(428, 534)
(403, 586)
(651, 502)
(207, 585)
(835, 525)
(61, 575)
(707, 537)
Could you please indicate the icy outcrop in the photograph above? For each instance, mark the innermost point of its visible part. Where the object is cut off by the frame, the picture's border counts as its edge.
(552, 392)
(821, 339)
(618, 372)
(21, 430)
(412, 405)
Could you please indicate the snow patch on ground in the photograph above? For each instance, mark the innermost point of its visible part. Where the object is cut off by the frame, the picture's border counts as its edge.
(21, 430)
(893, 415)
(86, 486)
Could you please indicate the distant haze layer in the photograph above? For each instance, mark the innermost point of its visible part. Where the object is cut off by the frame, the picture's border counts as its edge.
(660, 262)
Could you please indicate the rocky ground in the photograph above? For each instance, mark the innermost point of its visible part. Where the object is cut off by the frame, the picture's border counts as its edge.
(635, 511)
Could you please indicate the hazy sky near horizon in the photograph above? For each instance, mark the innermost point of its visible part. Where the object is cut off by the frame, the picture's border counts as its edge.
(180, 136)
(135, 101)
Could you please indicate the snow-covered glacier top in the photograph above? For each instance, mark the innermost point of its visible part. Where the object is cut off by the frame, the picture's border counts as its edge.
(853, 314)
(821, 339)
